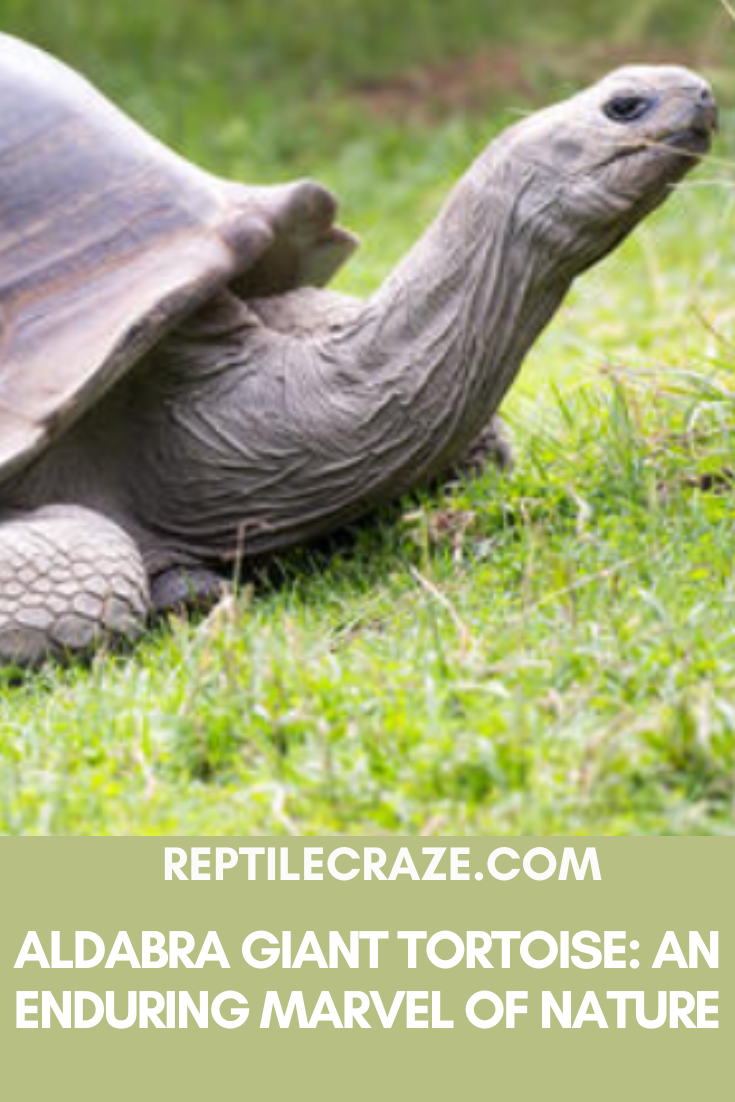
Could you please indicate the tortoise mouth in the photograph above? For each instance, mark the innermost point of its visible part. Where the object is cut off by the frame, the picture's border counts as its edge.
(695, 140)
(692, 143)
(689, 144)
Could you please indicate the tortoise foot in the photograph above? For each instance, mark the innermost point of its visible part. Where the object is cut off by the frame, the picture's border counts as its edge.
(493, 447)
(70, 581)
(186, 589)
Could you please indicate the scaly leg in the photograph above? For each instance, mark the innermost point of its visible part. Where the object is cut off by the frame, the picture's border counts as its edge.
(492, 446)
(183, 589)
(70, 580)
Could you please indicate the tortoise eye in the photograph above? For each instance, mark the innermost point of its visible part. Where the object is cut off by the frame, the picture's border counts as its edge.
(625, 109)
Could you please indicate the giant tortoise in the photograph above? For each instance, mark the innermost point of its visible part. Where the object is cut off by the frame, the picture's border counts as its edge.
(179, 395)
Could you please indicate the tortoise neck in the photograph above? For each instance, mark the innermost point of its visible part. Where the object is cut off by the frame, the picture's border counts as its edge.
(276, 434)
(440, 343)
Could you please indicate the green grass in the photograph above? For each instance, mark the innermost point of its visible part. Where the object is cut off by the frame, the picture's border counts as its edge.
(552, 652)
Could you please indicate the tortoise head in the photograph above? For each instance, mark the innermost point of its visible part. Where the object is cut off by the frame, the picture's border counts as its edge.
(601, 161)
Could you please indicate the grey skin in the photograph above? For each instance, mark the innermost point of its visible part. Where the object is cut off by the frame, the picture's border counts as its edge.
(259, 425)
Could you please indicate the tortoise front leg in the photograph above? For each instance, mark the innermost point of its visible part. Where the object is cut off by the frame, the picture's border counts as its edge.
(492, 446)
(70, 580)
(183, 589)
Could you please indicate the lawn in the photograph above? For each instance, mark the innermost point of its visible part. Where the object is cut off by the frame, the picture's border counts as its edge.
(549, 652)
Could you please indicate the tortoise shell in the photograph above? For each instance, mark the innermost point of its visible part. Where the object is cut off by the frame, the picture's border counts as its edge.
(108, 239)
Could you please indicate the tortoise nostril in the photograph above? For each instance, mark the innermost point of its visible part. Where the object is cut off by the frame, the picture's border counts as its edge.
(707, 112)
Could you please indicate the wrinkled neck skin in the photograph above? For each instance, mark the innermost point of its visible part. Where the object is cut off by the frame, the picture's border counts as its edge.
(438, 346)
(284, 438)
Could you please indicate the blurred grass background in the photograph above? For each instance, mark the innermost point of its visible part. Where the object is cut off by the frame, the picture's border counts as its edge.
(578, 673)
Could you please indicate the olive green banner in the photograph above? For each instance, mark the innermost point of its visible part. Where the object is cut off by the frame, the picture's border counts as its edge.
(370, 968)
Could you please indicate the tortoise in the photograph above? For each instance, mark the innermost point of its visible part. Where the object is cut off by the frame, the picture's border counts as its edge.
(180, 394)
